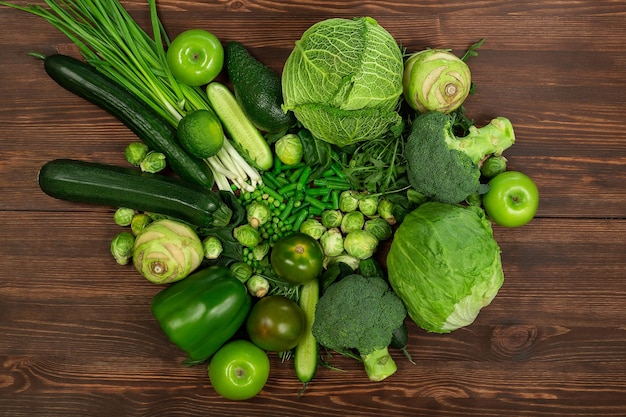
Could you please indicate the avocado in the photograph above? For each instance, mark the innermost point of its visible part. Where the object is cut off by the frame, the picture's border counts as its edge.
(258, 90)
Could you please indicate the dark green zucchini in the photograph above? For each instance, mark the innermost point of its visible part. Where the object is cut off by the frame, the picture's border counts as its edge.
(109, 185)
(87, 82)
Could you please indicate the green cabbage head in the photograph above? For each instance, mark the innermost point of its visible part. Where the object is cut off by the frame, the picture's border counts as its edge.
(343, 80)
(445, 265)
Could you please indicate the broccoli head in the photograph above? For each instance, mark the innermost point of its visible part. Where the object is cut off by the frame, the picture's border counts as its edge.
(446, 168)
(360, 313)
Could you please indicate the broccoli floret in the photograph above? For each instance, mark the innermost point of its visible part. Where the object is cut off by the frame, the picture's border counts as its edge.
(360, 313)
(446, 168)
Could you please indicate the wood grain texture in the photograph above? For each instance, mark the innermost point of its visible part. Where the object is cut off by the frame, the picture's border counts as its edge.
(76, 334)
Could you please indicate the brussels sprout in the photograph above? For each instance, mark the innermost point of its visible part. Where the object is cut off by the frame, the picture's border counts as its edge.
(349, 260)
(332, 218)
(258, 213)
(368, 205)
(353, 220)
(122, 247)
(167, 251)
(139, 222)
(348, 201)
(247, 235)
(241, 270)
(212, 246)
(153, 162)
(289, 149)
(378, 227)
(332, 242)
(385, 211)
(123, 216)
(135, 152)
(260, 251)
(313, 228)
(492, 166)
(360, 244)
(258, 286)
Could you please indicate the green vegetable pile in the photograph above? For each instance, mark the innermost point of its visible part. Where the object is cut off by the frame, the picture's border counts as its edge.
(276, 195)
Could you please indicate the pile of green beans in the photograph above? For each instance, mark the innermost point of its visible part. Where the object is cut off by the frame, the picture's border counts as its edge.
(295, 195)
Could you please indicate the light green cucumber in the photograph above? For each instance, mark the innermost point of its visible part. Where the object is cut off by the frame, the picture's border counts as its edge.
(247, 137)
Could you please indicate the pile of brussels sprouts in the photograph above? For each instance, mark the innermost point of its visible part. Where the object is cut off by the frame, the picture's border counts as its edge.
(348, 231)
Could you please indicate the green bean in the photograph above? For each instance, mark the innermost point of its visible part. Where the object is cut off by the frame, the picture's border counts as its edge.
(271, 192)
(287, 211)
(303, 214)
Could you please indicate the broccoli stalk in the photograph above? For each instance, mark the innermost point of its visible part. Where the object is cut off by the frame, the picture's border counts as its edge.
(379, 364)
(446, 168)
(360, 313)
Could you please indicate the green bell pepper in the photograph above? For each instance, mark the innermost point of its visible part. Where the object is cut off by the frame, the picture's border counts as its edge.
(203, 311)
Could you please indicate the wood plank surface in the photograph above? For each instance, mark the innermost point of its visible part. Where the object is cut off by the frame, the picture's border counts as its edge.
(76, 334)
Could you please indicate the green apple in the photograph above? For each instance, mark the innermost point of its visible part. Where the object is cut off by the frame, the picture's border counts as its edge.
(195, 57)
(239, 370)
(512, 199)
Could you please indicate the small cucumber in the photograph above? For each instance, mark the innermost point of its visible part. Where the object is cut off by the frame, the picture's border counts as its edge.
(400, 339)
(151, 128)
(245, 135)
(95, 183)
(258, 90)
(306, 354)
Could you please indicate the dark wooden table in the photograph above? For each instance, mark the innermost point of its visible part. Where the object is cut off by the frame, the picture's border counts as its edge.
(76, 334)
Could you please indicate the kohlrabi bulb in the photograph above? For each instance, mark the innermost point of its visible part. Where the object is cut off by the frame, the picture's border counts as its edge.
(167, 251)
(436, 80)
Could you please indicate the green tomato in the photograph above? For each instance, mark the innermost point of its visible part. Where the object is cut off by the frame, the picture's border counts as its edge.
(239, 370)
(276, 323)
(512, 199)
(297, 258)
(195, 57)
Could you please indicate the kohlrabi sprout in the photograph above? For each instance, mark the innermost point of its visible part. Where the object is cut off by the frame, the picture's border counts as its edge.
(360, 244)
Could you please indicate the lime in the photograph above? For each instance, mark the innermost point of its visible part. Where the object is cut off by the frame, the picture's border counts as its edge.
(200, 133)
